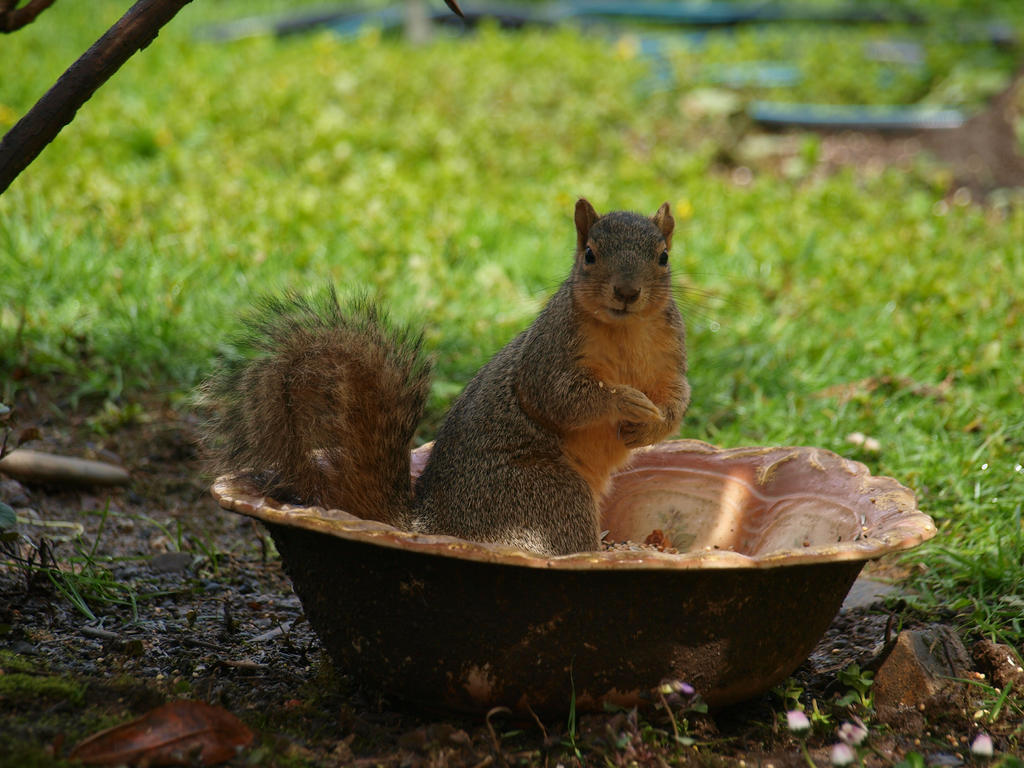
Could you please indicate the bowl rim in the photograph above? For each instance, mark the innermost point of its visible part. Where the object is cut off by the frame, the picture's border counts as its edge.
(902, 525)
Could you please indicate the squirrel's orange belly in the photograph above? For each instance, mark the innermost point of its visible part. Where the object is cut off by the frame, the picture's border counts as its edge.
(595, 452)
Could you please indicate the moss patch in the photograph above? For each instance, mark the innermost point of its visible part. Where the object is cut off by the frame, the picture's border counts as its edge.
(23, 689)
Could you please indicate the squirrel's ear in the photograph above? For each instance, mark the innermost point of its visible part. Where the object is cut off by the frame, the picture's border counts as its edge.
(664, 221)
(585, 218)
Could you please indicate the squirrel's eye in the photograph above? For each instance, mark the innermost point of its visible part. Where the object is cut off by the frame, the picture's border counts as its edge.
(663, 259)
(588, 255)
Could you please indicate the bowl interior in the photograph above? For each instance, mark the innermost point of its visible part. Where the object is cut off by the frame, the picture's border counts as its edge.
(764, 504)
(702, 507)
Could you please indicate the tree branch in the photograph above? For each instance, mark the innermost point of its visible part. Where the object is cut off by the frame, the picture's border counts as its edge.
(58, 106)
(12, 18)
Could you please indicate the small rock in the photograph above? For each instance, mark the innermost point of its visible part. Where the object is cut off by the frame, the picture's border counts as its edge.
(1000, 664)
(170, 562)
(12, 492)
(864, 593)
(270, 634)
(917, 672)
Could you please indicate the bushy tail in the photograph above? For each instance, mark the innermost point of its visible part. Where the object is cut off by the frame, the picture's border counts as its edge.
(321, 406)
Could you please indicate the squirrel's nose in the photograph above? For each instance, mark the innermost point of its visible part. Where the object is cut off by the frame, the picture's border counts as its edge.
(626, 294)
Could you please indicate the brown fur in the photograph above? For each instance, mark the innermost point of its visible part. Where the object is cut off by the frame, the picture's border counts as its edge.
(642, 355)
(327, 408)
(600, 371)
(304, 410)
(643, 352)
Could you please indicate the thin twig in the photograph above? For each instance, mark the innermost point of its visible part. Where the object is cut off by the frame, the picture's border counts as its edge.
(494, 736)
(671, 716)
(58, 106)
(543, 730)
(100, 634)
(12, 18)
(134, 31)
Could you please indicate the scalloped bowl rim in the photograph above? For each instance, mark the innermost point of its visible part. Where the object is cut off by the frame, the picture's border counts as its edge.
(901, 531)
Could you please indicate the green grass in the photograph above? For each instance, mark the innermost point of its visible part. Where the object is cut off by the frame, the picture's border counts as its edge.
(442, 178)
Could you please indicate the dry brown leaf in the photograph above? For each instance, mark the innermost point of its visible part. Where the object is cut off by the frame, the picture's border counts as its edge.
(850, 390)
(657, 538)
(178, 733)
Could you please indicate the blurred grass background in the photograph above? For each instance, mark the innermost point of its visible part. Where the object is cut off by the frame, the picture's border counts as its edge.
(441, 178)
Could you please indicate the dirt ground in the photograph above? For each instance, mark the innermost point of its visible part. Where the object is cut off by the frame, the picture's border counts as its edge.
(214, 619)
(190, 602)
(979, 157)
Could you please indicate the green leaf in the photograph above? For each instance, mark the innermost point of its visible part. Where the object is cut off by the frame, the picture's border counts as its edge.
(912, 760)
(7, 517)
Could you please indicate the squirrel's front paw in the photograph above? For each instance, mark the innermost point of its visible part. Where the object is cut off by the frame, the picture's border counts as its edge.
(635, 406)
(638, 435)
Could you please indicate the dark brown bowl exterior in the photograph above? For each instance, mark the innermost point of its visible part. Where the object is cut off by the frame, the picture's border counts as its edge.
(781, 535)
(470, 635)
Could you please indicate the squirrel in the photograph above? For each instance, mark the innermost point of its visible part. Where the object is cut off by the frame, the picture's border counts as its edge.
(324, 408)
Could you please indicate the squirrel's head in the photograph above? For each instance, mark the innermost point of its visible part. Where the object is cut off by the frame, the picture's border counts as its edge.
(622, 262)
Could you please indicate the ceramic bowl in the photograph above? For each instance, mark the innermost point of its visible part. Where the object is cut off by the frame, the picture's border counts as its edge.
(769, 542)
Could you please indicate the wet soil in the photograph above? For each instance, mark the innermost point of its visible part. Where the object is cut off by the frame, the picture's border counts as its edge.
(189, 601)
